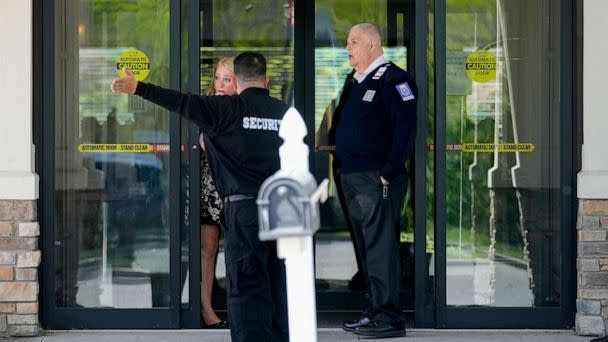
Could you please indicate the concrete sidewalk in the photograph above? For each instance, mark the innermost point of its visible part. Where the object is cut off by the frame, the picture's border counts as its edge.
(325, 335)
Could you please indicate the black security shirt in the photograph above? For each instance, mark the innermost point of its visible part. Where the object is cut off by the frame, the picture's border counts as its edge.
(241, 131)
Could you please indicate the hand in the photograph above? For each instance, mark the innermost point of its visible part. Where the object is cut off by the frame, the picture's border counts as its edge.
(384, 181)
(126, 84)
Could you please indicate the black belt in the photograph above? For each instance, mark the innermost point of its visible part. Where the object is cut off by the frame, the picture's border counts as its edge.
(236, 198)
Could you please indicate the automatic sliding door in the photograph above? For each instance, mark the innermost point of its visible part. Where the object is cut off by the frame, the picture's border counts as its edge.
(226, 29)
(338, 286)
(111, 188)
(505, 221)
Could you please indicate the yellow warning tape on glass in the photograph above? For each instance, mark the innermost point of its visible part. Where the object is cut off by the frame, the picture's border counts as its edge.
(132, 148)
(497, 147)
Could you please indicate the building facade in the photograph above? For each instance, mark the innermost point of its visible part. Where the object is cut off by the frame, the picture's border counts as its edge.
(506, 219)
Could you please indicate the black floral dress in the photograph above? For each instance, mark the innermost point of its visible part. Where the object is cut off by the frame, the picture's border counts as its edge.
(211, 203)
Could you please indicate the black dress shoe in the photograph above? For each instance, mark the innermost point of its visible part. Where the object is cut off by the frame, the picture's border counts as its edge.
(377, 329)
(352, 325)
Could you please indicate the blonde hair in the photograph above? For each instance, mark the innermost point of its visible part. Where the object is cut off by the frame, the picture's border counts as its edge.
(226, 62)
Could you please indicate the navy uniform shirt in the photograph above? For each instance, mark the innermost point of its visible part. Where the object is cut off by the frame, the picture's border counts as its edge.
(378, 123)
(241, 133)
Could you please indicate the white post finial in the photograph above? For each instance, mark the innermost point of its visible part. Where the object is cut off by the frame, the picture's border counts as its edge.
(294, 152)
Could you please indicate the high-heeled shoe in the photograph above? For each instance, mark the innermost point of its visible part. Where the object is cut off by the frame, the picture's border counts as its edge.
(219, 325)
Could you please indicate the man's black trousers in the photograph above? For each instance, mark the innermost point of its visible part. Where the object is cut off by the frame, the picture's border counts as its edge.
(256, 289)
(374, 214)
(344, 207)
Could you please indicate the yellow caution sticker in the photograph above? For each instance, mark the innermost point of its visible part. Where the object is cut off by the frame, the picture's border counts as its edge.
(497, 147)
(481, 66)
(136, 61)
(131, 148)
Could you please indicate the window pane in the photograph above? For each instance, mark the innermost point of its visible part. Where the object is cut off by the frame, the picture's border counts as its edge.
(503, 153)
(335, 256)
(111, 228)
(226, 31)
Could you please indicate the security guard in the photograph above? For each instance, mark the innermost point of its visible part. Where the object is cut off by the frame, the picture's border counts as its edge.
(374, 137)
(242, 146)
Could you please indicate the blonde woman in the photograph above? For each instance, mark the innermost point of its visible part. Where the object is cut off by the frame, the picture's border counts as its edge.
(211, 203)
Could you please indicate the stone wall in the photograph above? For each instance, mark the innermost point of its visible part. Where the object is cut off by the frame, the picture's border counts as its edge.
(19, 261)
(592, 268)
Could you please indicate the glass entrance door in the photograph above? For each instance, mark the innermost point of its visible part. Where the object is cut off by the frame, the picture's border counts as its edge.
(485, 232)
(340, 285)
(310, 76)
(507, 217)
(111, 243)
(218, 29)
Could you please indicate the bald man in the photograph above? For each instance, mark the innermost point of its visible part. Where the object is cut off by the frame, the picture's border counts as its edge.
(374, 129)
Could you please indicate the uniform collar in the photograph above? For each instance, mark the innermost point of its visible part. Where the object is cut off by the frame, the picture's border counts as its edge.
(376, 63)
(255, 91)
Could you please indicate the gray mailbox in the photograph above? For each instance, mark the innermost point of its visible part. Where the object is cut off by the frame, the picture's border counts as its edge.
(287, 206)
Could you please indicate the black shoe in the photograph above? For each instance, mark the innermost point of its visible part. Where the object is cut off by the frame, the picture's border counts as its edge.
(378, 329)
(352, 325)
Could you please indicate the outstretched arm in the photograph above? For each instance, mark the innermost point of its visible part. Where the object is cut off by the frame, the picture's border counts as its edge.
(169, 99)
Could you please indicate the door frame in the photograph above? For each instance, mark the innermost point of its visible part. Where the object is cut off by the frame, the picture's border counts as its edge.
(304, 102)
(304, 76)
(53, 317)
(191, 316)
(431, 309)
(424, 301)
(508, 317)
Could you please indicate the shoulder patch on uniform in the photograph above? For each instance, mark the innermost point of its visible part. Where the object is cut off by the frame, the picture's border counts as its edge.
(404, 91)
(379, 73)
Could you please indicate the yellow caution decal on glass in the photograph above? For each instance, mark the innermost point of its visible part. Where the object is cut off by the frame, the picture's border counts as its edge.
(481, 66)
(132, 148)
(136, 61)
